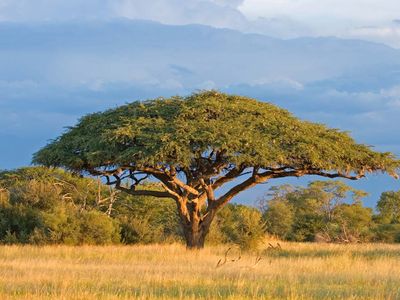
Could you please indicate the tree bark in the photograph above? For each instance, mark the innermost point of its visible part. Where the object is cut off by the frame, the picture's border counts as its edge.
(195, 238)
(195, 233)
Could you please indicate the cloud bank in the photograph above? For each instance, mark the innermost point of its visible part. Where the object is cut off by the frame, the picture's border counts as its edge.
(364, 19)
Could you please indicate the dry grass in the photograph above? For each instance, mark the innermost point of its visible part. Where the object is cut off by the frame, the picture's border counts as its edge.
(297, 271)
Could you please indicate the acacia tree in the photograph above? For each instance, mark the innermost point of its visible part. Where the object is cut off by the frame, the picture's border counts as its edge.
(196, 144)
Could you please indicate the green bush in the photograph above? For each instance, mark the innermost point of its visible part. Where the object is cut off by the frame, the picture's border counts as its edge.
(97, 228)
(147, 220)
(140, 230)
(42, 206)
(61, 226)
(387, 233)
(18, 222)
(241, 225)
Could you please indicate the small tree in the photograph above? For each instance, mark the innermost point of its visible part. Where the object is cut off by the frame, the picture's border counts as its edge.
(195, 145)
(388, 217)
(389, 207)
(279, 218)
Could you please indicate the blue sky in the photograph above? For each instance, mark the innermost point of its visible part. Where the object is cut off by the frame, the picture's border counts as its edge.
(335, 62)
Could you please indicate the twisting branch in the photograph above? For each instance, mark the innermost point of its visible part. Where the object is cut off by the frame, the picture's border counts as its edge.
(248, 183)
(208, 189)
(137, 180)
(144, 192)
(185, 187)
(231, 175)
(135, 192)
(257, 178)
(300, 173)
(170, 192)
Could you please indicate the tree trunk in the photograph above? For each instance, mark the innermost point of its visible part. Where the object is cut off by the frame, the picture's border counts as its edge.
(194, 240)
(195, 226)
(195, 234)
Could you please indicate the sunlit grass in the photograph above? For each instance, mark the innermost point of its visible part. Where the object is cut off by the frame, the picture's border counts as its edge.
(297, 271)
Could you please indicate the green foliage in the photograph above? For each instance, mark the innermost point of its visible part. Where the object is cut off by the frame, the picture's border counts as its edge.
(352, 223)
(147, 219)
(326, 210)
(43, 188)
(388, 217)
(174, 131)
(18, 222)
(53, 206)
(61, 226)
(387, 233)
(96, 228)
(241, 225)
(389, 207)
(279, 218)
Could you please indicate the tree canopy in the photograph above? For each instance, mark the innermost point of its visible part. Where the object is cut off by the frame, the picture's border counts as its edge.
(193, 145)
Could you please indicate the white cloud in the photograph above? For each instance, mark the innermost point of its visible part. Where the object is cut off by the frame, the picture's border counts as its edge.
(317, 11)
(209, 12)
(386, 34)
(218, 13)
(279, 27)
(364, 19)
(229, 3)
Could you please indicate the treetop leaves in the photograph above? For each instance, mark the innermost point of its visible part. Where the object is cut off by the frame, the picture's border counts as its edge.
(178, 130)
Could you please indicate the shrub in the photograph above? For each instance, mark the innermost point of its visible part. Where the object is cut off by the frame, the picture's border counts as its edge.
(97, 228)
(242, 225)
(147, 220)
(18, 222)
(387, 233)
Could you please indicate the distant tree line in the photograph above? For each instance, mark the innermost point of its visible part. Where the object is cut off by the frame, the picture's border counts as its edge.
(39, 205)
(330, 211)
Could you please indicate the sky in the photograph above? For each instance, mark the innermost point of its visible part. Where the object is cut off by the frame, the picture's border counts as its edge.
(335, 62)
(371, 20)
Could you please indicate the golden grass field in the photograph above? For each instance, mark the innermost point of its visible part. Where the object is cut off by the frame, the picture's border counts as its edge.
(298, 271)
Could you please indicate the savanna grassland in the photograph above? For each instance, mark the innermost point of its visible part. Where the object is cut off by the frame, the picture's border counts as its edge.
(297, 271)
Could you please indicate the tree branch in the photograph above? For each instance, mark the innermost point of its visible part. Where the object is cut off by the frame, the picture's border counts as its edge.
(132, 191)
(300, 173)
(248, 183)
(158, 194)
(208, 189)
(186, 187)
(262, 177)
(231, 175)
(172, 193)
